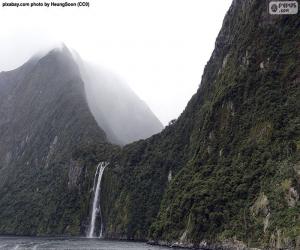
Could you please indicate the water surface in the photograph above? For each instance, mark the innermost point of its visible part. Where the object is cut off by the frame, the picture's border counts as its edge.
(35, 243)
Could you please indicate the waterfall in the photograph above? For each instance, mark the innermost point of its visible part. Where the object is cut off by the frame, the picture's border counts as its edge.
(96, 201)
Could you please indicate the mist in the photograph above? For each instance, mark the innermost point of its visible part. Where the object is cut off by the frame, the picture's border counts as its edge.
(123, 116)
(159, 48)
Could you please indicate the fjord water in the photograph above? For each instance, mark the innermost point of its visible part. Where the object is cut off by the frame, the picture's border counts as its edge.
(96, 209)
(36, 243)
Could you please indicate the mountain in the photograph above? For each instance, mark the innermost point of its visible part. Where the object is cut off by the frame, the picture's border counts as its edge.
(44, 119)
(46, 126)
(117, 109)
(226, 173)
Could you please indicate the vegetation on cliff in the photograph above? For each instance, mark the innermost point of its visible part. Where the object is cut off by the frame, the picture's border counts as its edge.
(227, 170)
(233, 153)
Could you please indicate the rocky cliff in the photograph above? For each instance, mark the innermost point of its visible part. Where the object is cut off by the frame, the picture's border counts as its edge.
(226, 172)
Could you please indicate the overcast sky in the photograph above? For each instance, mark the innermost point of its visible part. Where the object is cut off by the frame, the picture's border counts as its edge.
(159, 47)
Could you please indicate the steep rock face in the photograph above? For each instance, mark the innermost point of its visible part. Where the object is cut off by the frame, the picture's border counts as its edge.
(233, 153)
(117, 109)
(45, 123)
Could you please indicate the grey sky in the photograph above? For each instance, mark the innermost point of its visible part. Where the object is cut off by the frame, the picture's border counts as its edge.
(159, 47)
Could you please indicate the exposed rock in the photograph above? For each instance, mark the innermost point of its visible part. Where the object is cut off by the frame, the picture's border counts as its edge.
(260, 205)
(266, 222)
(183, 237)
(278, 239)
(170, 176)
(225, 61)
(75, 170)
(245, 59)
(292, 197)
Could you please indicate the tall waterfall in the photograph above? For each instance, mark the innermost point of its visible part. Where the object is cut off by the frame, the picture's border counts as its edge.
(96, 201)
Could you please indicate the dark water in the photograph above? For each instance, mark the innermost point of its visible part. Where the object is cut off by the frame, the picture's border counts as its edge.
(33, 243)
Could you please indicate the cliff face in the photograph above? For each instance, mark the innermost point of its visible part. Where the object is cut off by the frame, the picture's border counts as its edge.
(227, 171)
(45, 122)
(117, 109)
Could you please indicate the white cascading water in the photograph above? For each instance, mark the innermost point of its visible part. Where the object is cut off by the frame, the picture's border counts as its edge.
(96, 201)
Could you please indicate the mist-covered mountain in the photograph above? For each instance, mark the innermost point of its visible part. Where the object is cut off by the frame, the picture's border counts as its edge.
(45, 120)
(224, 175)
(44, 112)
(117, 109)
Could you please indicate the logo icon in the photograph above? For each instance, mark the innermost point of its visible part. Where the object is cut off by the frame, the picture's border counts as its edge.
(274, 7)
(283, 7)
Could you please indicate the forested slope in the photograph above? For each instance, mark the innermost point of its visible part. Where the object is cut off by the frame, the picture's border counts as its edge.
(233, 154)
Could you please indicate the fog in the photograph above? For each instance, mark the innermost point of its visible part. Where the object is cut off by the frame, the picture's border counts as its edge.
(158, 47)
(117, 109)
